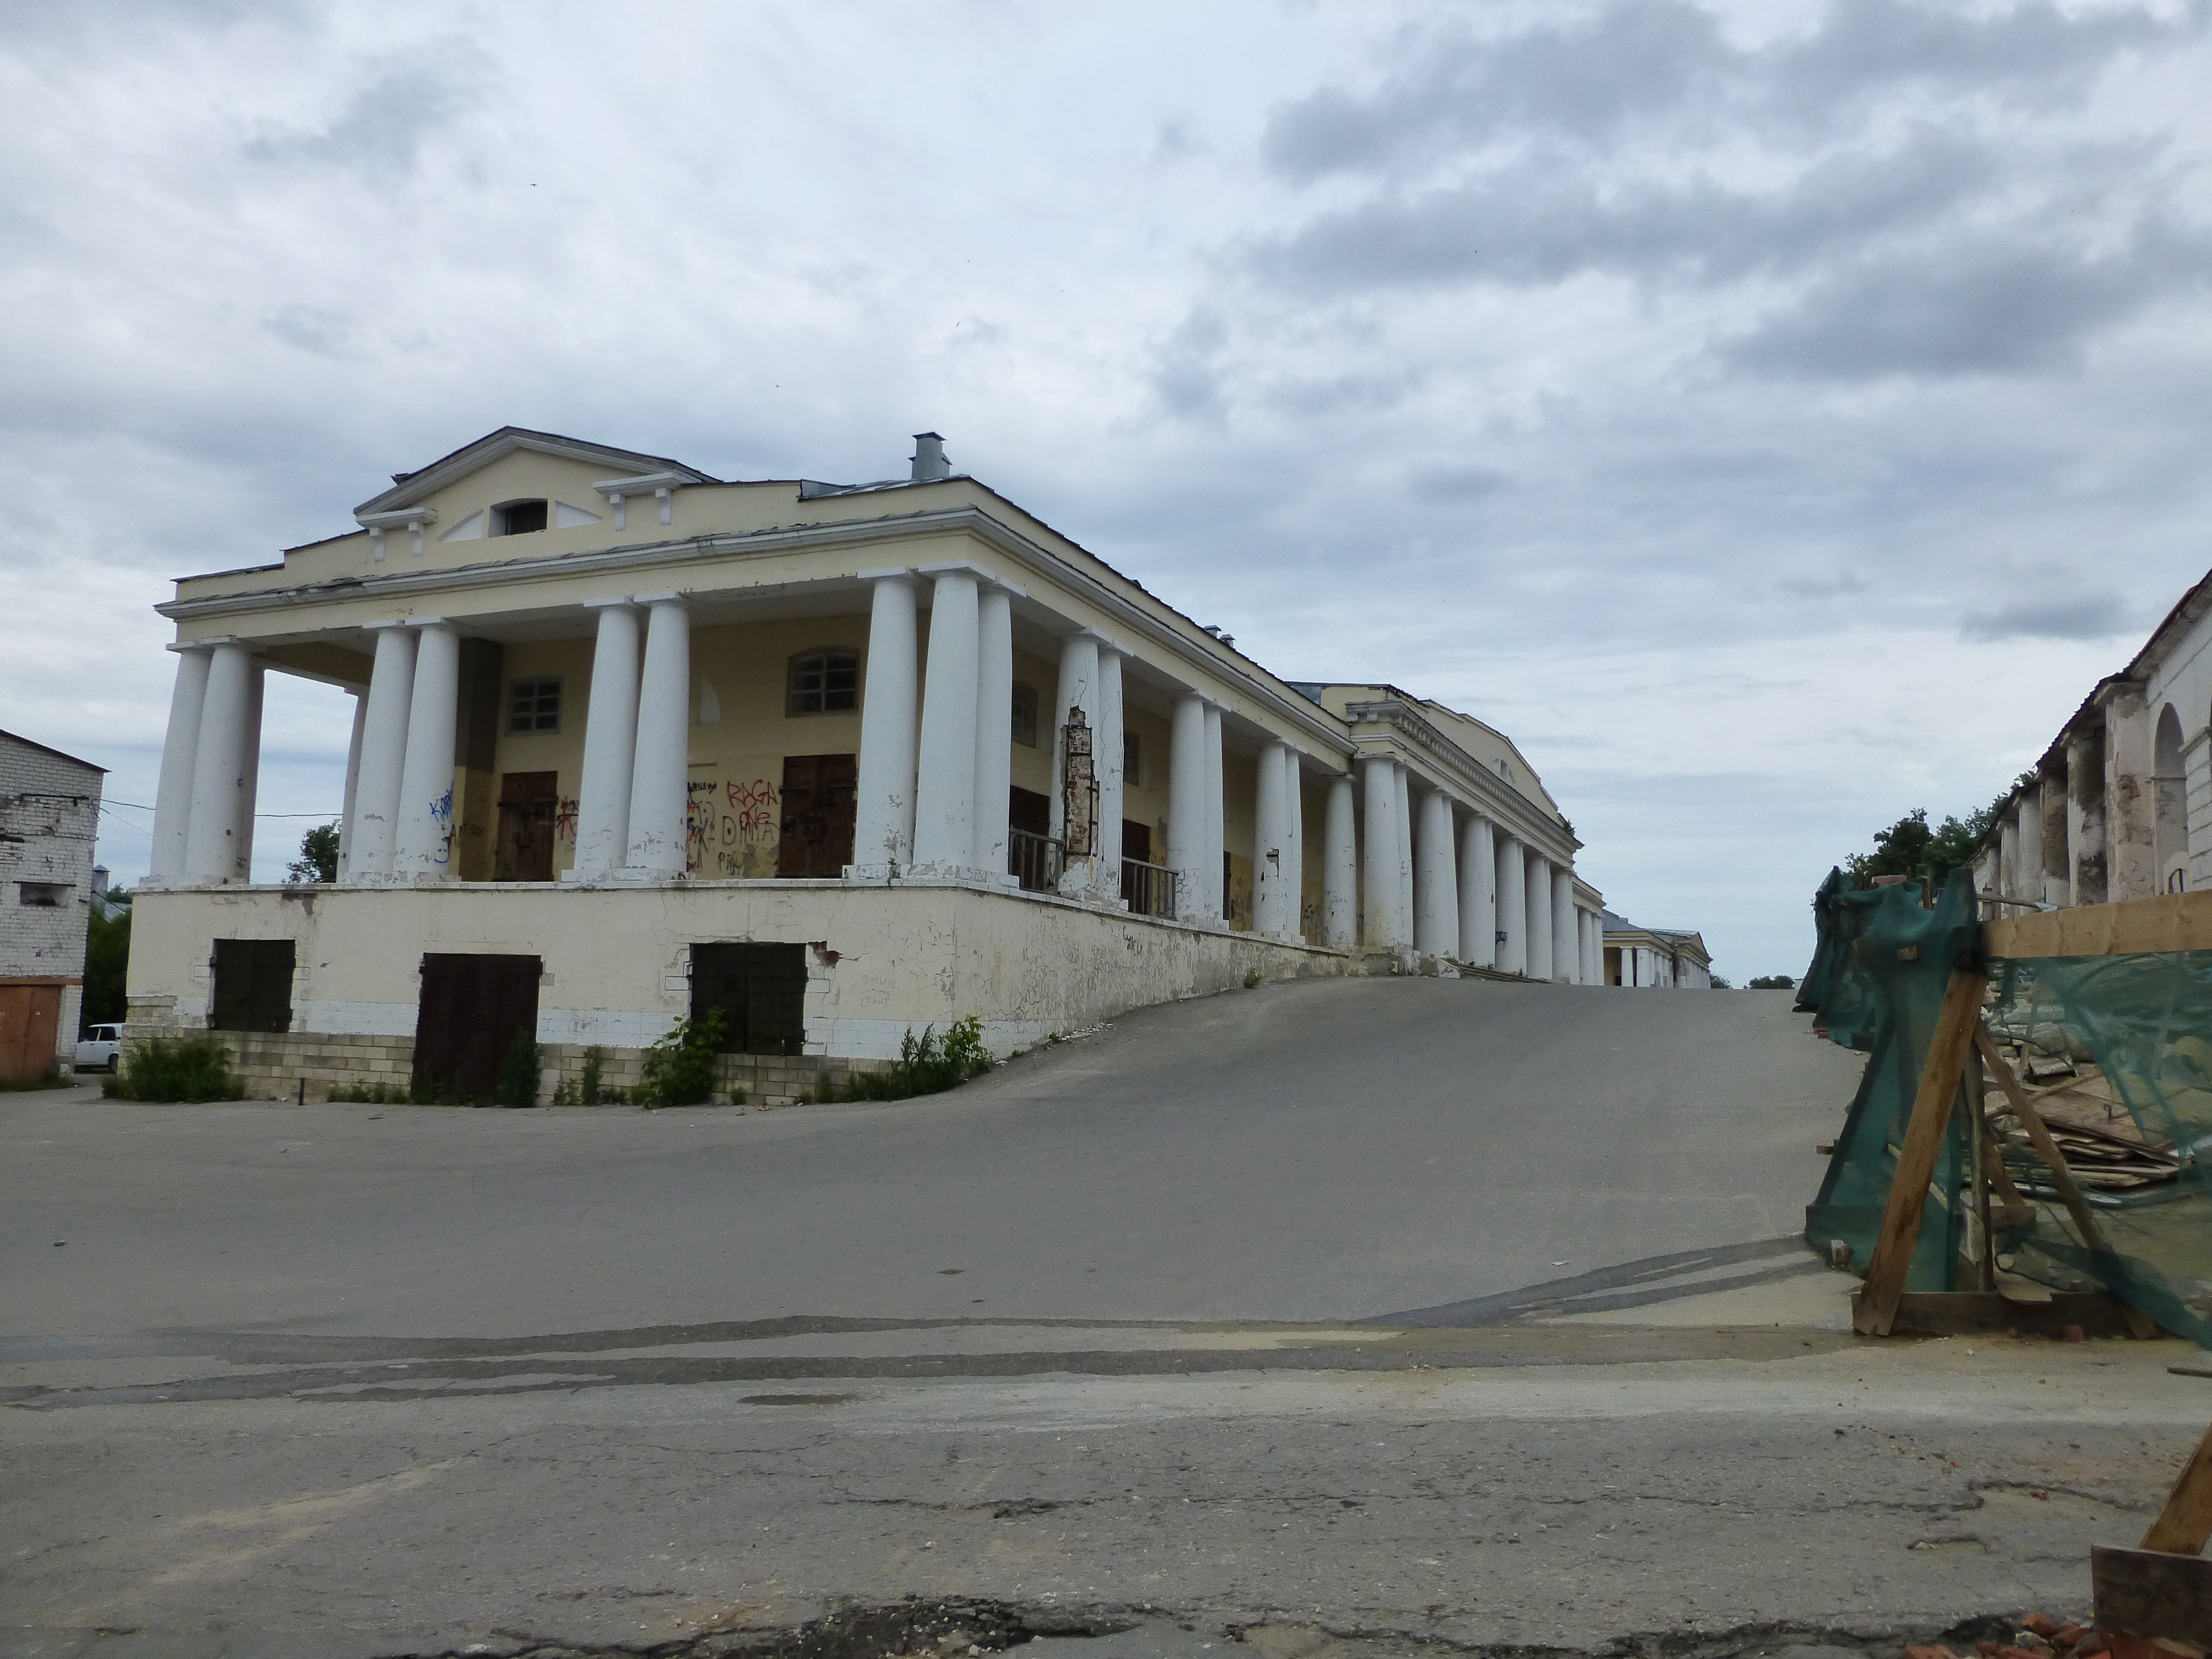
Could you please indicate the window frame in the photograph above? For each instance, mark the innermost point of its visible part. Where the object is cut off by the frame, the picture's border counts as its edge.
(825, 656)
(1034, 703)
(498, 524)
(514, 695)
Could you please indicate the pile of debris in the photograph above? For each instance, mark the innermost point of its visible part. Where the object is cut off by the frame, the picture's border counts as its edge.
(2040, 1636)
(2101, 1143)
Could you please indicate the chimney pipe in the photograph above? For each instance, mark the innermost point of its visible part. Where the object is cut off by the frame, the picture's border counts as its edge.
(929, 462)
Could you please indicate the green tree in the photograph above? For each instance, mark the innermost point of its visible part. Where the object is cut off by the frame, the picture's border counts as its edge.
(1910, 848)
(106, 961)
(318, 855)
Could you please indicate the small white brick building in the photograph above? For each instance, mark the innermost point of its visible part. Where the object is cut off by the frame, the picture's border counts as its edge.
(49, 819)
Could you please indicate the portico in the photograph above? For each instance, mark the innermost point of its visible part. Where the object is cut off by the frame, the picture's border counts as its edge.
(887, 687)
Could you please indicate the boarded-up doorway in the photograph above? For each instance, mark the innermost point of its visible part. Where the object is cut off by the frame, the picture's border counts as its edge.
(528, 802)
(252, 988)
(30, 1022)
(819, 793)
(473, 1007)
(761, 990)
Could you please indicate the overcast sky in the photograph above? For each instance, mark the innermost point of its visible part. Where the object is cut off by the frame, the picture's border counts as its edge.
(1773, 416)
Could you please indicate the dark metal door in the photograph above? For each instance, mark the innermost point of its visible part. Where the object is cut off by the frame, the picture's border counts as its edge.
(472, 1009)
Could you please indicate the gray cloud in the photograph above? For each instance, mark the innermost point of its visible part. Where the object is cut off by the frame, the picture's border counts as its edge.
(379, 133)
(312, 328)
(2004, 306)
(1643, 63)
(1186, 376)
(1541, 220)
(2085, 613)
(1456, 481)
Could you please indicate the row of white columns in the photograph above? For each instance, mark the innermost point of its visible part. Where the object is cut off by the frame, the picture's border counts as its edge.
(1444, 883)
(210, 760)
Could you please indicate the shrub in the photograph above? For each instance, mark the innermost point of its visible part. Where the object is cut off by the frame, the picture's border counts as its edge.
(679, 1069)
(1251, 978)
(518, 1073)
(927, 1065)
(189, 1069)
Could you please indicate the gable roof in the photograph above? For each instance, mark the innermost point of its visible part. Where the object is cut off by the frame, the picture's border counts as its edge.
(408, 488)
(17, 737)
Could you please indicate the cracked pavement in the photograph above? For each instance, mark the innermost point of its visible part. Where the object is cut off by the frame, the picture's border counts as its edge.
(1381, 1314)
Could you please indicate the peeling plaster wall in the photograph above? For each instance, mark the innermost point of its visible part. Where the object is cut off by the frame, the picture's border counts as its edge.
(615, 957)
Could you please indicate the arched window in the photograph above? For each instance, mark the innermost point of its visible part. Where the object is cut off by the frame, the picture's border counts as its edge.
(2169, 771)
(824, 682)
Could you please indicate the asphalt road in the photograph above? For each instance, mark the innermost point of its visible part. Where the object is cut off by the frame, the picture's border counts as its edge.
(1375, 1314)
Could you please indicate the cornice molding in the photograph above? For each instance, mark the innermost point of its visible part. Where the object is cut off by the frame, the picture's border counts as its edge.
(1298, 711)
(1496, 799)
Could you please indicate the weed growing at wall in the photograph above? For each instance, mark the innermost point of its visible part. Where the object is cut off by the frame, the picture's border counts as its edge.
(183, 1069)
(587, 1090)
(928, 1065)
(518, 1073)
(679, 1069)
(370, 1094)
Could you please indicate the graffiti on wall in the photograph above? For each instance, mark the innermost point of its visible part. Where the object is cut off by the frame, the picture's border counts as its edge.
(731, 827)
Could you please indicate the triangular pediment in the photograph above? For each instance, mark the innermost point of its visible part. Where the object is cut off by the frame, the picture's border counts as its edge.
(412, 489)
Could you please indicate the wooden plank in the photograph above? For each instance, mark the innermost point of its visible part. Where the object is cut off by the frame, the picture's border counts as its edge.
(2038, 1138)
(2165, 921)
(2185, 1522)
(1874, 1309)
(2149, 1596)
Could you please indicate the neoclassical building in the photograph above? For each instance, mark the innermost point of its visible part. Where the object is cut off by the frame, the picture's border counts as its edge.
(842, 760)
(2120, 806)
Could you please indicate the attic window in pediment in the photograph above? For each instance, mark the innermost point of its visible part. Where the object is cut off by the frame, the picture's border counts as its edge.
(520, 518)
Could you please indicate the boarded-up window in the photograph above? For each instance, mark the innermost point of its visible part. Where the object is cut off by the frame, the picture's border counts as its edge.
(253, 986)
(528, 802)
(819, 797)
(761, 990)
(472, 1008)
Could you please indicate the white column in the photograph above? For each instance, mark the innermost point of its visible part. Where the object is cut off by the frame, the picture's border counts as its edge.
(1294, 846)
(1436, 898)
(1539, 886)
(1339, 869)
(1378, 862)
(1187, 840)
(172, 797)
(659, 799)
(1512, 904)
(1106, 760)
(219, 784)
(383, 751)
(1594, 950)
(2027, 877)
(945, 784)
(609, 742)
(352, 781)
(1404, 803)
(994, 726)
(2007, 882)
(1217, 890)
(882, 818)
(257, 681)
(1566, 953)
(1478, 894)
(1269, 841)
(423, 841)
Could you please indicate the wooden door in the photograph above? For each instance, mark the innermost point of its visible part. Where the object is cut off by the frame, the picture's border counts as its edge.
(528, 802)
(472, 1008)
(820, 792)
(30, 1024)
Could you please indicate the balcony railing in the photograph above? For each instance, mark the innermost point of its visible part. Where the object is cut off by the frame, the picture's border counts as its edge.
(1035, 860)
(1149, 890)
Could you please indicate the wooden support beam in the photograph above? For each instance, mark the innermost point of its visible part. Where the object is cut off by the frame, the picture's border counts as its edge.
(2165, 921)
(2070, 1190)
(1873, 1311)
(2185, 1522)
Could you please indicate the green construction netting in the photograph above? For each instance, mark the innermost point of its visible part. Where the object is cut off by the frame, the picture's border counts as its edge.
(2121, 1050)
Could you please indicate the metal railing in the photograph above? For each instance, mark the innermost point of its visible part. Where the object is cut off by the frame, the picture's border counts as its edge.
(1035, 860)
(1149, 890)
